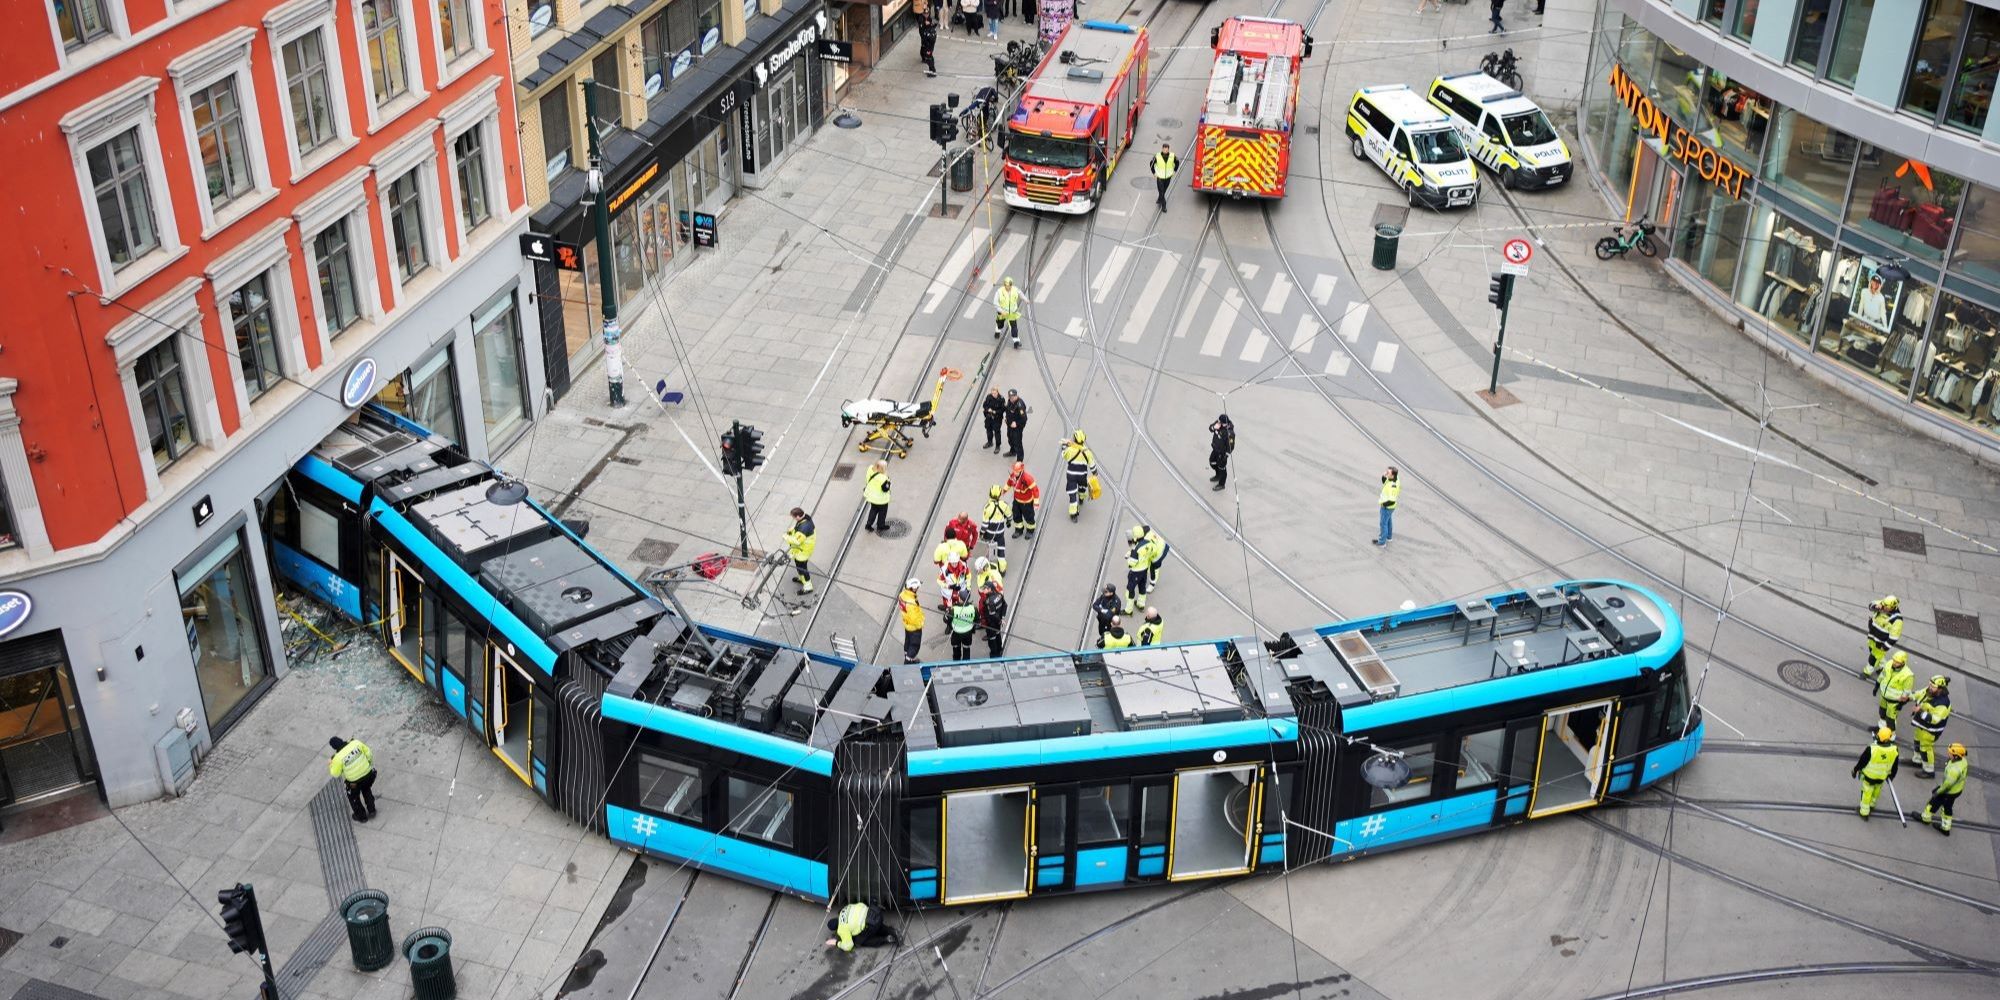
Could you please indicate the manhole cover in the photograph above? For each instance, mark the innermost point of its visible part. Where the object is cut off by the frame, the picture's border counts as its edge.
(1142, 182)
(1170, 123)
(1899, 540)
(844, 471)
(1312, 129)
(895, 529)
(1802, 675)
(654, 551)
(1959, 625)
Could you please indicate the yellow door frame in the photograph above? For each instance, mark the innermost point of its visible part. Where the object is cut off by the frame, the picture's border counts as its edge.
(496, 711)
(1253, 821)
(394, 620)
(1606, 730)
(1028, 845)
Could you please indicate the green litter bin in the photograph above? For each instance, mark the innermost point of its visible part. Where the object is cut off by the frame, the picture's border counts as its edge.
(1386, 237)
(429, 952)
(367, 916)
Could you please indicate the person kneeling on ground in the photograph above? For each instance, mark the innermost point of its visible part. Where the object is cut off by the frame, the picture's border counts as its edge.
(859, 923)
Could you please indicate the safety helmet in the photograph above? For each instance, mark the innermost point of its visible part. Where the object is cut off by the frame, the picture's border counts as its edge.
(954, 559)
(997, 492)
(1940, 680)
(1078, 436)
(911, 584)
(1008, 280)
(1138, 532)
(1890, 601)
(1885, 735)
(1900, 658)
(1956, 750)
(979, 564)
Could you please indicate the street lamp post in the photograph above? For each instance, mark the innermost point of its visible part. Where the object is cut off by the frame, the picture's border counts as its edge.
(614, 352)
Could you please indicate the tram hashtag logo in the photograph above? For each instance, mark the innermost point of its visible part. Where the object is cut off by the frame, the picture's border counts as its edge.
(646, 826)
(1373, 825)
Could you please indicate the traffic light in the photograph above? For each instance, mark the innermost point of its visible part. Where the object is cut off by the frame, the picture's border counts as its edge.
(1499, 289)
(240, 920)
(940, 121)
(749, 446)
(732, 462)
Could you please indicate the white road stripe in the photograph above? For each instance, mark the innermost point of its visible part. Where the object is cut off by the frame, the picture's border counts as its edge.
(1302, 337)
(1074, 329)
(1107, 276)
(1149, 298)
(1248, 271)
(1280, 293)
(1223, 324)
(961, 255)
(995, 270)
(1208, 266)
(1385, 356)
(1323, 288)
(1052, 271)
(1253, 348)
(1350, 322)
(1336, 362)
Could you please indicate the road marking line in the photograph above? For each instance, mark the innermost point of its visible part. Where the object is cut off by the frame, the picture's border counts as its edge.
(995, 270)
(1248, 271)
(1323, 288)
(1385, 356)
(1208, 267)
(1253, 348)
(1149, 298)
(1336, 362)
(1280, 293)
(1074, 329)
(1052, 271)
(1350, 322)
(1114, 265)
(961, 255)
(1224, 323)
(1303, 336)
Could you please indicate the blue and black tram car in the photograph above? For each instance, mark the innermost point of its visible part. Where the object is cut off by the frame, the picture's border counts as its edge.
(952, 783)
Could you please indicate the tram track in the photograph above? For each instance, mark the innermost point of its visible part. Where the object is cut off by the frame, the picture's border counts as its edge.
(1797, 806)
(1786, 973)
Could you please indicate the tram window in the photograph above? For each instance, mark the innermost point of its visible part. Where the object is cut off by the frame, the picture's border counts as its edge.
(1277, 788)
(1527, 751)
(1422, 758)
(924, 836)
(1676, 713)
(760, 812)
(452, 649)
(1634, 718)
(319, 533)
(670, 788)
(1155, 805)
(1101, 811)
(1479, 758)
(1052, 824)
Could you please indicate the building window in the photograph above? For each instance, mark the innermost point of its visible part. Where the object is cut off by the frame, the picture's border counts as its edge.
(1978, 65)
(256, 335)
(1809, 37)
(306, 84)
(1848, 41)
(218, 132)
(1745, 22)
(163, 400)
(656, 54)
(428, 395)
(382, 29)
(455, 29)
(541, 14)
(555, 129)
(604, 70)
(470, 153)
(496, 343)
(1875, 323)
(219, 609)
(1787, 270)
(1962, 376)
(1810, 159)
(1930, 64)
(1906, 204)
(124, 198)
(406, 223)
(8, 537)
(676, 37)
(339, 295)
(81, 22)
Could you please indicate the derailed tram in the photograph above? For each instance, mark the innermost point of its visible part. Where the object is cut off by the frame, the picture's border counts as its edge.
(952, 783)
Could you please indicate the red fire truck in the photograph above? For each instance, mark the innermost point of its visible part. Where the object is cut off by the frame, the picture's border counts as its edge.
(1243, 146)
(1075, 117)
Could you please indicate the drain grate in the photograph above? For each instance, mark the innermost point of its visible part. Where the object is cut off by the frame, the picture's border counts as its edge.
(8, 939)
(1899, 540)
(895, 529)
(844, 471)
(1959, 625)
(36, 989)
(654, 551)
(624, 460)
(1170, 123)
(1802, 675)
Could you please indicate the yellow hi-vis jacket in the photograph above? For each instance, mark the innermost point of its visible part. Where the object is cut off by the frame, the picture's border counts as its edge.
(1953, 781)
(1881, 764)
(352, 762)
(1898, 684)
(1007, 302)
(875, 489)
(800, 541)
(1164, 164)
(1391, 489)
(913, 611)
(853, 919)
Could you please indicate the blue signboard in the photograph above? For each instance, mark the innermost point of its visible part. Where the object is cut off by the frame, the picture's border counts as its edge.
(359, 386)
(15, 607)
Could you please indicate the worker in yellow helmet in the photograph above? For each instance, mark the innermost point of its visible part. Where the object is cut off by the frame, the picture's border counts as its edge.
(1949, 788)
(1877, 764)
(1933, 708)
(1885, 631)
(1895, 687)
(1007, 310)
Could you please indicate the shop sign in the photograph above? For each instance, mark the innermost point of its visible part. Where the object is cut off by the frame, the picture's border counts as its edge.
(15, 607)
(1680, 143)
(683, 61)
(632, 190)
(710, 40)
(359, 385)
(747, 122)
(704, 229)
(204, 509)
(805, 36)
(833, 50)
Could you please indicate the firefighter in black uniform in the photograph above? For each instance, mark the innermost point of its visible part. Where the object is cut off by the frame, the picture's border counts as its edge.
(994, 409)
(1221, 443)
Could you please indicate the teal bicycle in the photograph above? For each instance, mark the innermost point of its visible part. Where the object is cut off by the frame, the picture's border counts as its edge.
(1625, 238)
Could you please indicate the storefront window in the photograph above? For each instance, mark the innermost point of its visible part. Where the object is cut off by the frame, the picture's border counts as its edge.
(503, 396)
(1637, 49)
(219, 610)
(1810, 160)
(1682, 84)
(1874, 324)
(1848, 40)
(1978, 64)
(428, 395)
(1930, 65)
(1710, 233)
(1903, 203)
(1785, 273)
(1739, 118)
(1960, 373)
(631, 274)
(1810, 36)
(1978, 253)
(1746, 19)
(1609, 127)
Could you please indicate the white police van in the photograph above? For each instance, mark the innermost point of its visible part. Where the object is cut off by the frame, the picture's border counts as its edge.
(1414, 143)
(1504, 130)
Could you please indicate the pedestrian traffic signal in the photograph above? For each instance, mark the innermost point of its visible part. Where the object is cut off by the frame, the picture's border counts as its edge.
(732, 460)
(749, 446)
(1499, 289)
(940, 121)
(240, 920)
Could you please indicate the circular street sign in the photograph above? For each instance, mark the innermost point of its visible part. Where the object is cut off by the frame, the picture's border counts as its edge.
(1517, 251)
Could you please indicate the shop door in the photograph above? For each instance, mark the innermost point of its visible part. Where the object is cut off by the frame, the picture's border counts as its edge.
(403, 626)
(43, 749)
(784, 104)
(1655, 185)
(1570, 770)
(989, 844)
(1214, 826)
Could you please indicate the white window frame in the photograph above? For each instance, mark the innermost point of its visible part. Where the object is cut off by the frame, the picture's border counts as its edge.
(478, 109)
(379, 114)
(288, 24)
(107, 117)
(120, 32)
(29, 528)
(415, 151)
(263, 254)
(226, 56)
(176, 313)
(450, 69)
(343, 200)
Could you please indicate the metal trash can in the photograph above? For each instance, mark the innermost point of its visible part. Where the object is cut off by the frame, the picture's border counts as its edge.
(367, 916)
(961, 172)
(1386, 237)
(429, 952)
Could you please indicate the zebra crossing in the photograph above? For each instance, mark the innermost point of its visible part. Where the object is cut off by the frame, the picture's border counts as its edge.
(1221, 327)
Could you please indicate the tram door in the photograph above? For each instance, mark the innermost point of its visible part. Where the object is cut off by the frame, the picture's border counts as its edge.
(989, 844)
(1215, 812)
(511, 695)
(1572, 765)
(403, 625)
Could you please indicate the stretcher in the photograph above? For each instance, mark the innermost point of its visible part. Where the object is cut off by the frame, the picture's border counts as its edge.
(891, 419)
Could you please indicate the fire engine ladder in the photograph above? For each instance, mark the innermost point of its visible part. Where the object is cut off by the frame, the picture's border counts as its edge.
(1277, 86)
(1222, 84)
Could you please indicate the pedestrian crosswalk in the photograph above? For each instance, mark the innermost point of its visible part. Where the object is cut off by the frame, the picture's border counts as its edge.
(1253, 318)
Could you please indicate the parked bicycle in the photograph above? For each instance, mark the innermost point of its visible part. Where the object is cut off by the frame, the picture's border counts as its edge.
(1639, 234)
(1502, 66)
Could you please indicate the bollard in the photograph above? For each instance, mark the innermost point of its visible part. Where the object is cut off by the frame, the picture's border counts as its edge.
(1386, 236)
(961, 171)
(429, 952)
(367, 916)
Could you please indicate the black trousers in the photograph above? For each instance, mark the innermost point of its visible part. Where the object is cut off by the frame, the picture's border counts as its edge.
(961, 645)
(913, 644)
(993, 434)
(928, 54)
(1024, 516)
(804, 572)
(995, 533)
(1219, 461)
(878, 517)
(992, 642)
(1941, 802)
(1014, 443)
(1164, 183)
(361, 796)
(873, 934)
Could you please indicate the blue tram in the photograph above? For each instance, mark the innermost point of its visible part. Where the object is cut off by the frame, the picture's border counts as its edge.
(953, 783)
